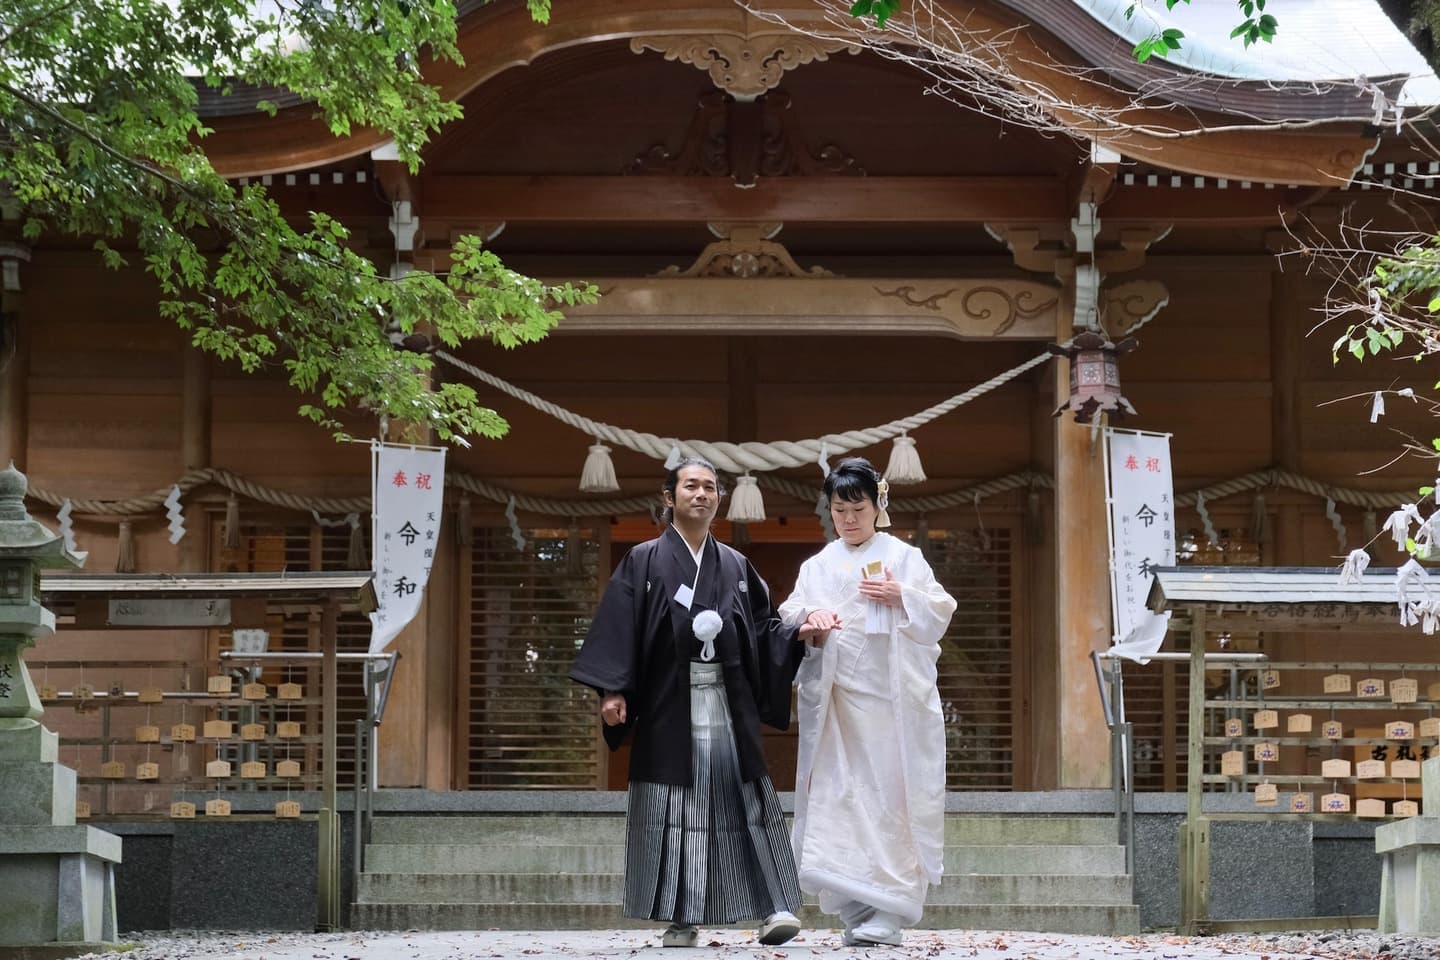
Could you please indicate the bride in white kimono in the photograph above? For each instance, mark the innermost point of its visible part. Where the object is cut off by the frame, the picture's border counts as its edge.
(869, 831)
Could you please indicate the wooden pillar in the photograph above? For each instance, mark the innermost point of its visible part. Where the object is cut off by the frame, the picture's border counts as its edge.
(1285, 437)
(195, 453)
(442, 662)
(1041, 705)
(14, 381)
(1082, 584)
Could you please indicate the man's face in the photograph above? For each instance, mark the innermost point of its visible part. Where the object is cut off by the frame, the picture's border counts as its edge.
(697, 496)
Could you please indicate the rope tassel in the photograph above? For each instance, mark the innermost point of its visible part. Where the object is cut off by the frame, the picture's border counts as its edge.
(747, 504)
(125, 549)
(599, 473)
(904, 466)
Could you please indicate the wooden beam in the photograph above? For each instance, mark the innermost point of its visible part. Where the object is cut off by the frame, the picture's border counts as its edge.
(1210, 205)
(662, 199)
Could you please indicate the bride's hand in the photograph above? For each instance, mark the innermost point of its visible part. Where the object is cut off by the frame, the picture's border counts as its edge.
(885, 591)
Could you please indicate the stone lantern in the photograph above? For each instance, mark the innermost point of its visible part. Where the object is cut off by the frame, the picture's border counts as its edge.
(57, 878)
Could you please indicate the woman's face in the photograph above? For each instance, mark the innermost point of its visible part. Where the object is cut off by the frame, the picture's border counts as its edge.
(854, 519)
(697, 496)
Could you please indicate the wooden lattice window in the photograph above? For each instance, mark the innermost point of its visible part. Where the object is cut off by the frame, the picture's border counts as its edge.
(528, 725)
(977, 657)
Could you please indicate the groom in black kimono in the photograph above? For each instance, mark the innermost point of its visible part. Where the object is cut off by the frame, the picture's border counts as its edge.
(689, 658)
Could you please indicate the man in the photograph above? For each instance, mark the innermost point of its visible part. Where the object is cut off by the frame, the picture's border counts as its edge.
(688, 656)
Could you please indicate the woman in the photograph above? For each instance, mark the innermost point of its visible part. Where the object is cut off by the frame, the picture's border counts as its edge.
(869, 830)
(686, 653)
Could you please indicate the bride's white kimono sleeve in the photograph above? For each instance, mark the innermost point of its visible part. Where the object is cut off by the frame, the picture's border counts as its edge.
(927, 610)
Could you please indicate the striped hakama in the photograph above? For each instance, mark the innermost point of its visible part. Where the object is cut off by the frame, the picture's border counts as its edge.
(717, 851)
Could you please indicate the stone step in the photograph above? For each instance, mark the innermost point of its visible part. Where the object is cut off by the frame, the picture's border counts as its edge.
(610, 858)
(610, 828)
(1086, 919)
(608, 888)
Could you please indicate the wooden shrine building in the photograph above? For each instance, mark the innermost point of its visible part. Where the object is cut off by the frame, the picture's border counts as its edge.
(792, 238)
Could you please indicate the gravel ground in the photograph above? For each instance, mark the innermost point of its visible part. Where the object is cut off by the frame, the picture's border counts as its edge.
(644, 945)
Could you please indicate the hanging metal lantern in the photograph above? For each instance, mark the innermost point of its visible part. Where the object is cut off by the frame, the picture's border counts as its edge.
(1094, 375)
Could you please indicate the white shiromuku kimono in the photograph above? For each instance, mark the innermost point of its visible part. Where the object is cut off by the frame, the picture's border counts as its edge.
(870, 771)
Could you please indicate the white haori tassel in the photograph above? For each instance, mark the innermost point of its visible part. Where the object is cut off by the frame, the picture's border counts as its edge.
(904, 466)
(882, 517)
(706, 625)
(1353, 570)
(599, 473)
(747, 505)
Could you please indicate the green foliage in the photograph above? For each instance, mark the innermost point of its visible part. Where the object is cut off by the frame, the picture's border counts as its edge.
(100, 137)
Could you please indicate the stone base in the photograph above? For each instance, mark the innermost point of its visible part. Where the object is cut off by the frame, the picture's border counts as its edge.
(57, 885)
(55, 951)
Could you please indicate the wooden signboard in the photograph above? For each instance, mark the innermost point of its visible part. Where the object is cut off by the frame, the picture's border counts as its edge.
(1333, 729)
(1266, 753)
(49, 692)
(1370, 769)
(252, 770)
(1266, 720)
(1371, 688)
(1298, 723)
(1370, 807)
(82, 810)
(217, 808)
(1405, 808)
(147, 733)
(1267, 795)
(287, 768)
(84, 691)
(289, 691)
(1432, 692)
(1232, 763)
(287, 809)
(112, 770)
(147, 771)
(1399, 730)
(1269, 679)
(1405, 769)
(219, 769)
(1404, 690)
(220, 685)
(255, 691)
(1302, 803)
(182, 732)
(219, 729)
(182, 811)
(252, 731)
(1430, 727)
(1335, 803)
(1234, 727)
(1335, 768)
(150, 695)
(1337, 683)
(287, 729)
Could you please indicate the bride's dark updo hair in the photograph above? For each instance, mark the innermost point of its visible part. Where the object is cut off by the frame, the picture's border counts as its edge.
(853, 479)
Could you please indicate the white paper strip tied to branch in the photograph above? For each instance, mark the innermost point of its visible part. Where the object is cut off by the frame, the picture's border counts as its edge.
(599, 473)
(1398, 524)
(904, 466)
(1408, 578)
(1353, 569)
(747, 504)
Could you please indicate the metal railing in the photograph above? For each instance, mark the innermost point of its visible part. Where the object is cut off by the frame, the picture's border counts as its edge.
(1111, 686)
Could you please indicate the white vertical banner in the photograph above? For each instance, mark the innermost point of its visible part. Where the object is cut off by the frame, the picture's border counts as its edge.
(409, 489)
(1142, 534)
